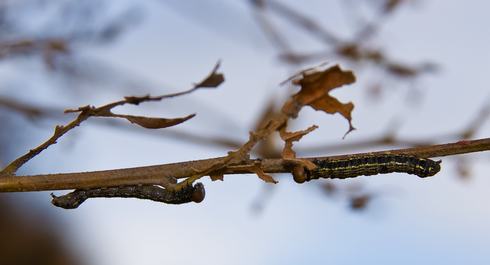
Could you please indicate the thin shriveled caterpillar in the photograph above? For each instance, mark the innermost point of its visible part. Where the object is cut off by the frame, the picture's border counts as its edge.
(372, 165)
(190, 193)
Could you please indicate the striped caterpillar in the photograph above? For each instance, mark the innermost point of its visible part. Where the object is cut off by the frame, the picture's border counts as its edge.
(373, 164)
(74, 199)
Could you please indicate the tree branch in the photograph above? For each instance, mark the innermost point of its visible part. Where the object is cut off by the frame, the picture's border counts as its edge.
(157, 173)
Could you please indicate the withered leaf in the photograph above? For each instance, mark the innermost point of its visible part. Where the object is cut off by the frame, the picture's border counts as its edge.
(316, 86)
(290, 137)
(155, 123)
(297, 135)
(264, 176)
(214, 79)
(216, 177)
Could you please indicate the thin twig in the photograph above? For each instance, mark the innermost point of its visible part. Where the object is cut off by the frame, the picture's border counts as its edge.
(302, 21)
(214, 79)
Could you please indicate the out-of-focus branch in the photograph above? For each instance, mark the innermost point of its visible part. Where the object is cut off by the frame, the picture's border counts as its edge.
(270, 30)
(29, 46)
(352, 49)
(390, 138)
(28, 110)
(297, 18)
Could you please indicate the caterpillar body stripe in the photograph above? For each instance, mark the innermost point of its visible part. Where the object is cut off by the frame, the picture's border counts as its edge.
(374, 164)
(74, 199)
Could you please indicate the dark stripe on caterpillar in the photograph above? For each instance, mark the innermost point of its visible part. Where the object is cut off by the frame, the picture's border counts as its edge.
(190, 193)
(374, 164)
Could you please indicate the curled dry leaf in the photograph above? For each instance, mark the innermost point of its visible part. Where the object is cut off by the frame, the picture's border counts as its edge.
(315, 87)
(289, 154)
(155, 123)
(290, 137)
(263, 176)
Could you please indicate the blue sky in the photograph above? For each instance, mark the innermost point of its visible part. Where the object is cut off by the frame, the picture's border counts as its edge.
(441, 220)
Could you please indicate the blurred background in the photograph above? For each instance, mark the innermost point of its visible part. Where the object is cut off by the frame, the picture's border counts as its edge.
(421, 68)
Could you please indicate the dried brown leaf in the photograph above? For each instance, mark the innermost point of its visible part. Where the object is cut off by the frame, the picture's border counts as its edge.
(315, 87)
(216, 177)
(155, 123)
(214, 79)
(290, 137)
(296, 136)
(264, 176)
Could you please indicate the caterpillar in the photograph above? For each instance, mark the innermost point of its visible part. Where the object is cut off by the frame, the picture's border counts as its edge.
(74, 199)
(372, 165)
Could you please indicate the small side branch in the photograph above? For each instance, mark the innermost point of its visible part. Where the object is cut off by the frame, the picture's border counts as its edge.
(213, 80)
